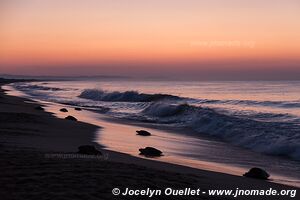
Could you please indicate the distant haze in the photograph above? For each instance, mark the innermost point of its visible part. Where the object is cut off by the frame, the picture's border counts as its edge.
(188, 39)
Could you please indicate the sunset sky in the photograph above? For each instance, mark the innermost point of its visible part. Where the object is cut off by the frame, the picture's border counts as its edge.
(157, 37)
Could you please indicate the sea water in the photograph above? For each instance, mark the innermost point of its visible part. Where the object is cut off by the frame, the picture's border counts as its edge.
(242, 124)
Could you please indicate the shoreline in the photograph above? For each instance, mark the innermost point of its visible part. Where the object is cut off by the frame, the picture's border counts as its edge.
(201, 162)
(117, 135)
(50, 136)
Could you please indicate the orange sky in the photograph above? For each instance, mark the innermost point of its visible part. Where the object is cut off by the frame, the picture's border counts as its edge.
(54, 36)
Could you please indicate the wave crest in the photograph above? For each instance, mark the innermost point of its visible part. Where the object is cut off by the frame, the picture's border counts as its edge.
(127, 96)
(276, 138)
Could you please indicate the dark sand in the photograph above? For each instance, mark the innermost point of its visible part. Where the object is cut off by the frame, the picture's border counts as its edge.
(29, 138)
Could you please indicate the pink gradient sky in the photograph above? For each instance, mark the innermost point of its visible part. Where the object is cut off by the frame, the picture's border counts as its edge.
(124, 37)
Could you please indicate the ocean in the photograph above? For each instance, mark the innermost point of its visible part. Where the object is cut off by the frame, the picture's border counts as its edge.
(220, 126)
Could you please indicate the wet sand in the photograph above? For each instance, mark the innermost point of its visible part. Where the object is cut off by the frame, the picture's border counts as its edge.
(31, 138)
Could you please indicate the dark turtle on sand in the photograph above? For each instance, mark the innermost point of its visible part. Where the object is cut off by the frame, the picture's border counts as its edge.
(150, 152)
(63, 110)
(143, 133)
(39, 108)
(78, 109)
(257, 173)
(71, 118)
(88, 150)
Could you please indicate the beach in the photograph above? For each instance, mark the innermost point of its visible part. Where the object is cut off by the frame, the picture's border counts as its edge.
(34, 148)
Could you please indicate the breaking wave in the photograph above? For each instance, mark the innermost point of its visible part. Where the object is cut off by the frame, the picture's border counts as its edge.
(127, 96)
(133, 96)
(276, 138)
